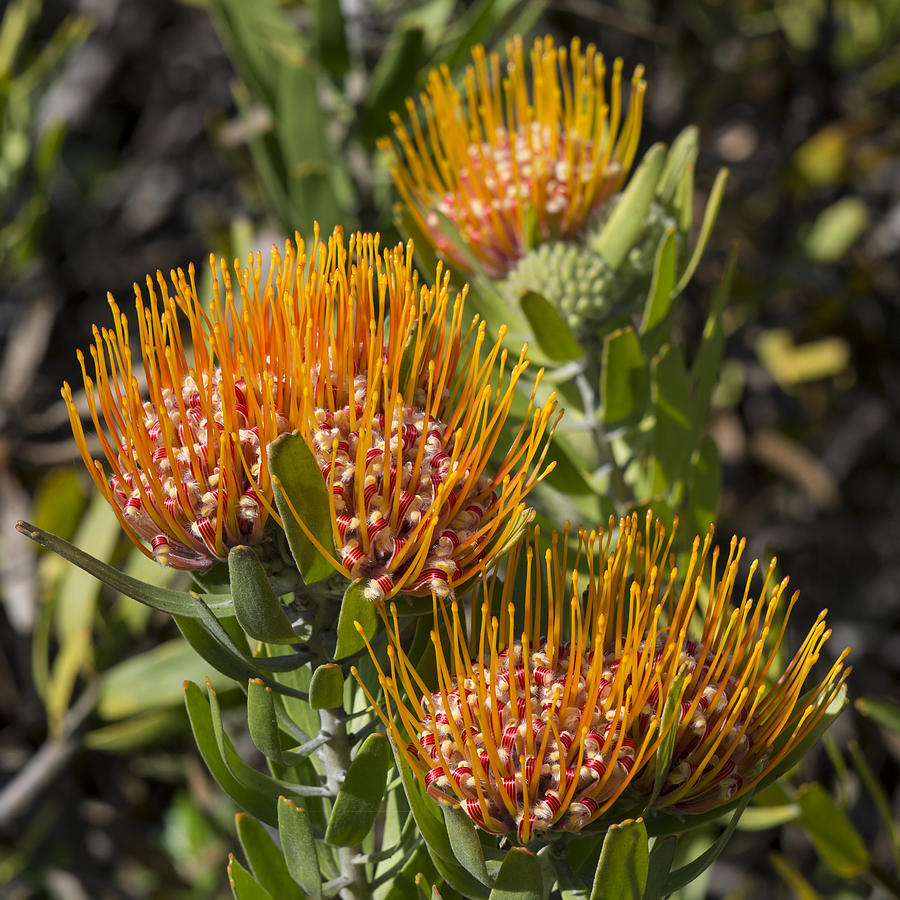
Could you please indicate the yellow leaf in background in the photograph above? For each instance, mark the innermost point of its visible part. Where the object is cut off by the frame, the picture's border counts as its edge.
(836, 229)
(821, 158)
(800, 887)
(791, 364)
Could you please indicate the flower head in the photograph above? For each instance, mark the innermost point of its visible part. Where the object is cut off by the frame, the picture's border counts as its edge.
(549, 710)
(403, 408)
(506, 156)
(186, 448)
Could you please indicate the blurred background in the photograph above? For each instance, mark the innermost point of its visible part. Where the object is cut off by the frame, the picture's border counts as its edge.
(139, 136)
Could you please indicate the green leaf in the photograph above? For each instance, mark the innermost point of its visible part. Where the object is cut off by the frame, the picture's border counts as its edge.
(465, 843)
(355, 607)
(458, 879)
(682, 155)
(265, 153)
(256, 803)
(266, 860)
(256, 607)
(532, 228)
(243, 885)
(300, 490)
(625, 379)
(225, 660)
(262, 720)
(673, 432)
(326, 690)
(163, 599)
(520, 877)
(669, 728)
(331, 37)
(311, 161)
(708, 361)
(359, 798)
(151, 680)
(624, 860)
(299, 846)
(263, 784)
(709, 219)
(551, 333)
(687, 873)
(706, 482)
(139, 732)
(390, 82)
(837, 842)
(660, 295)
(621, 231)
(426, 813)
(660, 864)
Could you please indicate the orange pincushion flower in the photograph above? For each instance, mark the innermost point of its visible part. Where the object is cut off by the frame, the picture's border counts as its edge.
(548, 731)
(187, 451)
(402, 410)
(507, 150)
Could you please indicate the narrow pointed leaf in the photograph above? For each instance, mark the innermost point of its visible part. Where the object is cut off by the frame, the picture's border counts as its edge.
(465, 843)
(221, 658)
(673, 433)
(624, 226)
(390, 81)
(660, 295)
(669, 727)
(660, 864)
(255, 803)
(551, 333)
(708, 361)
(266, 860)
(326, 690)
(359, 798)
(684, 201)
(299, 847)
(163, 599)
(262, 721)
(625, 379)
(355, 607)
(621, 872)
(682, 155)
(298, 483)
(425, 811)
(256, 607)
(331, 37)
(519, 878)
(837, 842)
(458, 879)
(243, 885)
(709, 219)
(687, 873)
(263, 784)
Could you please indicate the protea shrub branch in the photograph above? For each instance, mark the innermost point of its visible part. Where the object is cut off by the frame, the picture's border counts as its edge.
(525, 152)
(548, 714)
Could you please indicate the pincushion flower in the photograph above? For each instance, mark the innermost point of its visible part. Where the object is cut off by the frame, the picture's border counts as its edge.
(511, 160)
(552, 727)
(403, 409)
(187, 449)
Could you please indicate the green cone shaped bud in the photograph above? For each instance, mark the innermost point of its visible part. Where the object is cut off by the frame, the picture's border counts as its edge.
(590, 296)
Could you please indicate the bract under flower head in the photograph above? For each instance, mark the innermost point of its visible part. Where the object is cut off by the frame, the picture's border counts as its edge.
(506, 158)
(187, 448)
(403, 410)
(547, 728)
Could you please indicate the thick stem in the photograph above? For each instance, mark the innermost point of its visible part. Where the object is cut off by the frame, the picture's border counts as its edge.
(335, 759)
